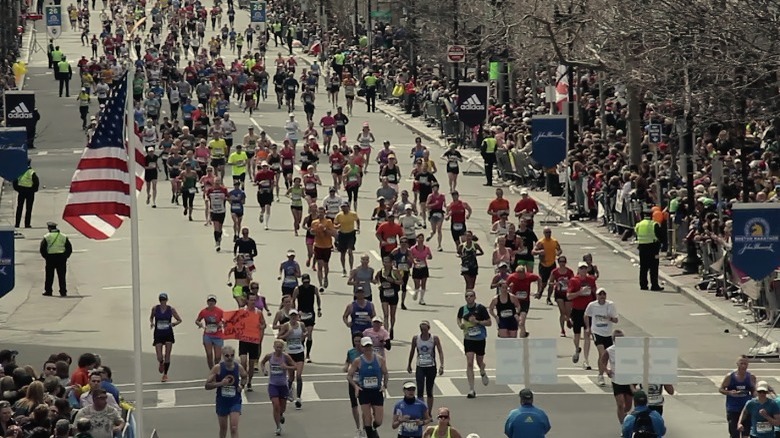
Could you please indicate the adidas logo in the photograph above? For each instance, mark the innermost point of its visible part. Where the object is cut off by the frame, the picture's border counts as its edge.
(20, 112)
(472, 103)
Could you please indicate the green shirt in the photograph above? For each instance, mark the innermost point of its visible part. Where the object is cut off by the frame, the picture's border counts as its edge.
(296, 196)
(238, 162)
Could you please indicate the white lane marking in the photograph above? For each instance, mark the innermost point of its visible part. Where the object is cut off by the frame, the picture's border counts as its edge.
(700, 314)
(569, 234)
(717, 381)
(166, 398)
(376, 255)
(42, 153)
(78, 151)
(116, 287)
(309, 393)
(516, 388)
(450, 335)
(244, 400)
(586, 384)
(452, 293)
(447, 388)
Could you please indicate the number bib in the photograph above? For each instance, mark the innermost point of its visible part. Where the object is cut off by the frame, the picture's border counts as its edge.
(228, 391)
(391, 240)
(306, 316)
(425, 360)
(287, 162)
(163, 325)
(277, 370)
(371, 382)
(507, 313)
(404, 266)
(211, 328)
(473, 331)
(457, 226)
(437, 215)
(523, 295)
(388, 292)
(191, 190)
(410, 426)
(764, 427)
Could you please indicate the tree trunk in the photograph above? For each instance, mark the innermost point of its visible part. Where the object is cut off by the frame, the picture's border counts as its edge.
(634, 125)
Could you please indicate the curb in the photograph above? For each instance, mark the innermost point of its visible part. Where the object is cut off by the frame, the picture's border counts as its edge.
(692, 294)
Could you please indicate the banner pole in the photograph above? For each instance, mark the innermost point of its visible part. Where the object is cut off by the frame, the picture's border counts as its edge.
(135, 267)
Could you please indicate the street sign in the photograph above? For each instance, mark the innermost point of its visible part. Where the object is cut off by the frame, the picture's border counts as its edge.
(381, 14)
(257, 15)
(654, 132)
(456, 53)
(645, 360)
(54, 21)
(526, 361)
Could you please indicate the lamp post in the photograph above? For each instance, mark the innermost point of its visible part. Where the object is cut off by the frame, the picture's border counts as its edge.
(684, 130)
(560, 19)
(355, 22)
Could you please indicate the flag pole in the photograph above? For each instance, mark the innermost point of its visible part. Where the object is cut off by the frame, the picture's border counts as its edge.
(135, 262)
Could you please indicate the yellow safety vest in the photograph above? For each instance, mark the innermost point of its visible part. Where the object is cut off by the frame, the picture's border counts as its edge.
(490, 145)
(339, 58)
(56, 55)
(63, 67)
(370, 80)
(26, 180)
(277, 27)
(645, 232)
(55, 242)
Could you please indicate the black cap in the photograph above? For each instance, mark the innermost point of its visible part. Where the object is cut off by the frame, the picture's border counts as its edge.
(305, 277)
(640, 398)
(526, 394)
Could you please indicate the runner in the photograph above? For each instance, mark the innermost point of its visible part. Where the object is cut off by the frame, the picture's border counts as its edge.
(295, 193)
(217, 195)
(238, 164)
(189, 179)
(505, 308)
(426, 345)
(332, 203)
(454, 157)
(241, 277)
(379, 336)
(237, 199)
(523, 243)
(362, 276)
(473, 319)
(402, 260)
(372, 377)
(328, 123)
(250, 351)
(324, 231)
(623, 393)
(359, 314)
(458, 212)
(582, 290)
(210, 319)
(311, 217)
(151, 170)
(388, 234)
(739, 387)
(352, 354)
(468, 251)
(229, 379)
(162, 320)
(600, 316)
(389, 279)
(410, 414)
(348, 225)
(247, 247)
(435, 206)
(560, 287)
(365, 137)
(423, 180)
(283, 314)
(294, 334)
(310, 182)
(350, 85)
(289, 273)
(420, 273)
(526, 208)
(353, 178)
(264, 180)
(279, 365)
(303, 299)
(519, 283)
(443, 429)
(548, 249)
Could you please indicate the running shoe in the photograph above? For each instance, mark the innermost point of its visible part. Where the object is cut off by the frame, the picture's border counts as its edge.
(344, 273)
(164, 378)
(281, 419)
(569, 324)
(471, 394)
(298, 404)
(484, 376)
(325, 282)
(600, 380)
(586, 366)
(261, 218)
(563, 334)
(576, 356)
(278, 431)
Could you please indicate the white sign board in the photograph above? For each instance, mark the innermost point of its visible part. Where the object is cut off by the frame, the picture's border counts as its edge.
(650, 360)
(526, 361)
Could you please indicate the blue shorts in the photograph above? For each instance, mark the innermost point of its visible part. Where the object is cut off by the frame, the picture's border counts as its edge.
(278, 391)
(226, 408)
(213, 340)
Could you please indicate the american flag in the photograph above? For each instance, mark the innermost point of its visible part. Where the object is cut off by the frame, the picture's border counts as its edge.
(99, 198)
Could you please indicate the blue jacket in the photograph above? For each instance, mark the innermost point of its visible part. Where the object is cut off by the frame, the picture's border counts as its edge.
(658, 422)
(527, 421)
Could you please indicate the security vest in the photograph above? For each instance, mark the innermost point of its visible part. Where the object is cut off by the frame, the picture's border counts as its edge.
(291, 30)
(55, 242)
(490, 145)
(339, 58)
(645, 231)
(370, 81)
(83, 99)
(56, 55)
(277, 27)
(26, 180)
(63, 67)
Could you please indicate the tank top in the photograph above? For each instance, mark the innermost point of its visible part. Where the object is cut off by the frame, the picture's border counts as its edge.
(162, 319)
(305, 300)
(426, 352)
(457, 215)
(506, 310)
(365, 140)
(289, 268)
(468, 257)
(240, 274)
(228, 394)
(363, 278)
(310, 182)
(277, 375)
(735, 403)
(285, 317)
(295, 340)
(352, 176)
(296, 196)
(392, 174)
(369, 374)
(435, 433)
(401, 260)
(389, 289)
(361, 316)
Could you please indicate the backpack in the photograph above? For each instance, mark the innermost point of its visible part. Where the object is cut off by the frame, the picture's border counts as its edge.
(643, 425)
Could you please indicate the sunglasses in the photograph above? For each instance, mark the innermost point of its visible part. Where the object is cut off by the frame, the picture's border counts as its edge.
(51, 368)
(443, 417)
(230, 355)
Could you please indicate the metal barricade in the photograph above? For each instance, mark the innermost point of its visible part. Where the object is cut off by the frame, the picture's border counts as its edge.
(625, 217)
(451, 126)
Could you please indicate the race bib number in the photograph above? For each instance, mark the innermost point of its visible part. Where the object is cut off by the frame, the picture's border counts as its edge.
(391, 240)
(275, 166)
(410, 426)
(310, 186)
(764, 427)
(507, 313)
(228, 391)
(404, 266)
(211, 328)
(191, 190)
(437, 215)
(457, 226)
(277, 370)
(163, 325)
(523, 295)
(423, 180)
(287, 162)
(425, 360)
(306, 316)
(474, 331)
(296, 342)
(236, 207)
(523, 251)
(388, 292)
(452, 164)
(352, 178)
(370, 382)
(585, 291)
(265, 183)
(464, 268)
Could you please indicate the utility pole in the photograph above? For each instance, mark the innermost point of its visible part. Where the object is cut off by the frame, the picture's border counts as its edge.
(356, 23)
(685, 131)
(455, 19)
(370, 35)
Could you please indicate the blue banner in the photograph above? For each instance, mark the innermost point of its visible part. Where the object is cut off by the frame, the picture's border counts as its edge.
(257, 12)
(550, 139)
(7, 274)
(756, 239)
(13, 152)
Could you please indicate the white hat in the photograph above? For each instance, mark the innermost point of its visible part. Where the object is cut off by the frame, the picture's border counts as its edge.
(524, 191)
(365, 341)
(292, 312)
(290, 253)
(762, 386)
(408, 207)
(263, 163)
(582, 265)
(377, 319)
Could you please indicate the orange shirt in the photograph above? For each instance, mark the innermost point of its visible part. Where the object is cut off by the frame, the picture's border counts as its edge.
(389, 232)
(323, 233)
(497, 206)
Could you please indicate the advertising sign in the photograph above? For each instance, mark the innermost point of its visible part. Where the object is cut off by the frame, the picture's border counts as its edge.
(13, 152)
(54, 21)
(550, 139)
(18, 108)
(7, 273)
(756, 239)
(472, 103)
(257, 15)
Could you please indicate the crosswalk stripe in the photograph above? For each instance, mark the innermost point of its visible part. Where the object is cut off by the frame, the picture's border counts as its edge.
(586, 384)
(716, 380)
(309, 392)
(166, 398)
(42, 153)
(446, 387)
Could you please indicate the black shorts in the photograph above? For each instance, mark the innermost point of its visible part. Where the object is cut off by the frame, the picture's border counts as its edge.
(218, 217)
(618, 389)
(241, 177)
(216, 162)
(249, 349)
(150, 175)
(545, 272)
(346, 241)
(265, 198)
(353, 401)
(311, 322)
(425, 191)
(391, 300)
(420, 273)
(476, 347)
(470, 272)
(371, 397)
(525, 306)
(322, 254)
(163, 337)
(298, 357)
(606, 341)
(577, 320)
(296, 208)
(288, 290)
(237, 213)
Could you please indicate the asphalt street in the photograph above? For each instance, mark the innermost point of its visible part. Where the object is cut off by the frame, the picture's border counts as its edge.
(178, 257)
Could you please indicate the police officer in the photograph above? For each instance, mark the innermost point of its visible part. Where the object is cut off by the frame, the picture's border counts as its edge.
(370, 81)
(488, 151)
(26, 186)
(648, 237)
(55, 250)
(65, 73)
(56, 57)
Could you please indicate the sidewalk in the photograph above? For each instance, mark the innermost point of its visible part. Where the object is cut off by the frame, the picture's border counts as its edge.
(673, 276)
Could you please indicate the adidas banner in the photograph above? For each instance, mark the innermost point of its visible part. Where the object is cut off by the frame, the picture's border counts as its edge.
(18, 108)
(549, 139)
(472, 103)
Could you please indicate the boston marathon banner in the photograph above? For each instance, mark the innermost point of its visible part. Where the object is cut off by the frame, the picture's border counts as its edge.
(13, 152)
(7, 264)
(550, 139)
(756, 239)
